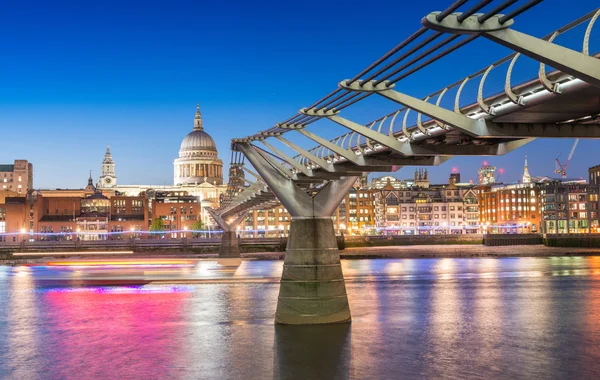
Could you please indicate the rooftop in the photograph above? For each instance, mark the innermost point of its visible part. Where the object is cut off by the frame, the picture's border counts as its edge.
(7, 168)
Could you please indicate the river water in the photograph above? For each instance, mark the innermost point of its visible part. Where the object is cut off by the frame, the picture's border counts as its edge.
(485, 318)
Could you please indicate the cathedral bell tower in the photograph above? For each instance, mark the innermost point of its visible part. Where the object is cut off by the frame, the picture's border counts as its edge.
(107, 176)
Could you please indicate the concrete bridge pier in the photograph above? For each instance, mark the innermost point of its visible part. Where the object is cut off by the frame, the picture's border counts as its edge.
(230, 243)
(312, 289)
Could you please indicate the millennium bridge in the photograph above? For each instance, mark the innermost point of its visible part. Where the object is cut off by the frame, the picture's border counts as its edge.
(474, 116)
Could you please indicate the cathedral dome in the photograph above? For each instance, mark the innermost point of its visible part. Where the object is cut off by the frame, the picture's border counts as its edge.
(198, 160)
(197, 140)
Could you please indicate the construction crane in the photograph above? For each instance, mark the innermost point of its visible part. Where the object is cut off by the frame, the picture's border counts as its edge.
(562, 169)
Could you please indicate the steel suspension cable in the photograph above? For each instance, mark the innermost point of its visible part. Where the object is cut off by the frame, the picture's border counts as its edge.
(518, 11)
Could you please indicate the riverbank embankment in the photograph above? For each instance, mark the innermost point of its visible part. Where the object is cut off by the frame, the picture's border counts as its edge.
(416, 251)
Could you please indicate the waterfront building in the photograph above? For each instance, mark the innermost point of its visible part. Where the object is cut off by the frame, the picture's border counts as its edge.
(178, 211)
(567, 206)
(514, 208)
(357, 210)
(511, 208)
(91, 215)
(422, 208)
(85, 214)
(198, 172)
(594, 202)
(13, 217)
(16, 177)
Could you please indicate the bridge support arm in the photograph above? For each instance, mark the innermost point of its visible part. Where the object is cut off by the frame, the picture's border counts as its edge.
(295, 164)
(303, 152)
(346, 153)
(230, 244)
(380, 138)
(472, 127)
(572, 62)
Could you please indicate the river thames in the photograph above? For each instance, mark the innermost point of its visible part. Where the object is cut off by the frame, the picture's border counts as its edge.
(482, 318)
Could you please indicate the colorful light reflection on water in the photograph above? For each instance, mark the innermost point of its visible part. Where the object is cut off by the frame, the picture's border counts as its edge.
(415, 318)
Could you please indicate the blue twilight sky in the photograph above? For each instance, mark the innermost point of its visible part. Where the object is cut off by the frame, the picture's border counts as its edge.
(78, 75)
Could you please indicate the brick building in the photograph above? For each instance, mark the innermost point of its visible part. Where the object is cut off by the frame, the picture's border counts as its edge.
(85, 214)
(91, 217)
(512, 208)
(178, 211)
(14, 219)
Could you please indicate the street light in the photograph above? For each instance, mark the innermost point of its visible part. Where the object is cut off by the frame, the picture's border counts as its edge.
(185, 228)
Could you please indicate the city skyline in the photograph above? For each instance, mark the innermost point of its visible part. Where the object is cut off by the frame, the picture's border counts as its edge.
(135, 89)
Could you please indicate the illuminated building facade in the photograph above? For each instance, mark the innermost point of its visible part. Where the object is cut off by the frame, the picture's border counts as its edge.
(570, 207)
(424, 209)
(510, 209)
(84, 214)
(594, 190)
(179, 211)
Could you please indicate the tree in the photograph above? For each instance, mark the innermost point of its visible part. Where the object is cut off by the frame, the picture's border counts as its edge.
(197, 226)
(157, 225)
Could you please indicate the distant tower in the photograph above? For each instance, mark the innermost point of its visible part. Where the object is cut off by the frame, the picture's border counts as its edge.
(422, 178)
(454, 178)
(90, 188)
(487, 174)
(107, 176)
(526, 176)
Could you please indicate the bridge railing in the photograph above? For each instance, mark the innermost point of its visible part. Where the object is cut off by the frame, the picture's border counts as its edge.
(135, 244)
